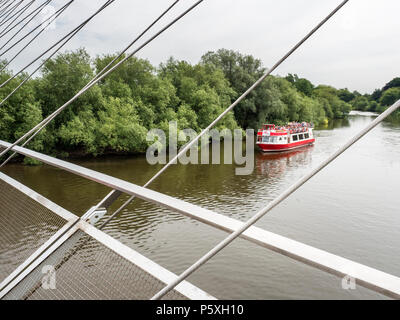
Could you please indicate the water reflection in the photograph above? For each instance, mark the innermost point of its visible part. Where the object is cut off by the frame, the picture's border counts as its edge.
(350, 209)
(335, 124)
(275, 164)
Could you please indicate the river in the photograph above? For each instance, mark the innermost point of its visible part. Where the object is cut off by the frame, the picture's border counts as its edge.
(352, 208)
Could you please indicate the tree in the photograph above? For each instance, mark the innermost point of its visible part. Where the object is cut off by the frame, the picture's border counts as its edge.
(373, 106)
(360, 103)
(376, 95)
(62, 78)
(21, 112)
(241, 71)
(115, 114)
(333, 106)
(202, 88)
(395, 83)
(303, 85)
(346, 95)
(390, 96)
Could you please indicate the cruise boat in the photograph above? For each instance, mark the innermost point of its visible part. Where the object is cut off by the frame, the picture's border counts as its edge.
(272, 138)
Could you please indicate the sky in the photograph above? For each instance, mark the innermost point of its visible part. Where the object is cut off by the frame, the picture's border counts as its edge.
(359, 48)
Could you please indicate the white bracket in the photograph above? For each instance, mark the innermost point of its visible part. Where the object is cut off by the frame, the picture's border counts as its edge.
(93, 215)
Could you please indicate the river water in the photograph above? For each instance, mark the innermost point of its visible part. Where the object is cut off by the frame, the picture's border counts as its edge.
(352, 208)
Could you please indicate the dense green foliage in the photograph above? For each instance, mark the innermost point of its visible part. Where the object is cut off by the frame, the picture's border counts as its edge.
(379, 100)
(115, 115)
(277, 100)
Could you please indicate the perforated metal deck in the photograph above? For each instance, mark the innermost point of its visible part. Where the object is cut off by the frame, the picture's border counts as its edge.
(56, 255)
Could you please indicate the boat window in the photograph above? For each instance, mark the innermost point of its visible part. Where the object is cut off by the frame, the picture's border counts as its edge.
(301, 136)
(265, 139)
(295, 138)
(307, 135)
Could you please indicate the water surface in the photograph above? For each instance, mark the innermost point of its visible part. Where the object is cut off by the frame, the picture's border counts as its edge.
(352, 208)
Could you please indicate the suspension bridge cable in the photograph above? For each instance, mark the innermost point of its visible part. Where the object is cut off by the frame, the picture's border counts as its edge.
(133, 42)
(2, 5)
(40, 8)
(6, 31)
(66, 39)
(34, 13)
(10, 11)
(6, 8)
(17, 15)
(259, 215)
(46, 121)
(195, 140)
(275, 202)
(105, 68)
(70, 254)
(70, 35)
(49, 57)
(49, 21)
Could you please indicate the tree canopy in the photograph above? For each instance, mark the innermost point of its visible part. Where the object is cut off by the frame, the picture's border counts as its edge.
(115, 115)
(379, 100)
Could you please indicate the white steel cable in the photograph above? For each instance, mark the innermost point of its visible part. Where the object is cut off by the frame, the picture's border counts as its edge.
(133, 42)
(275, 202)
(9, 12)
(67, 36)
(35, 130)
(45, 24)
(18, 11)
(65, 39)
(16, 15)
(243, 96)
(4, 33)
(259, 215)
(6, 7)
(35, 13)
(101, 72)
(40, 7)
(3, 3)
(158, 33)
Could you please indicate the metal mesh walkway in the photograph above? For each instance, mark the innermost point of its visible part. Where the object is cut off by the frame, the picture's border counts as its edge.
(90, 264)
(24, 226)
(35, 233)
(93, 272)
(41, 241)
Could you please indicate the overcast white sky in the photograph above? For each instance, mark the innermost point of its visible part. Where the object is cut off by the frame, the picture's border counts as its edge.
(359, 48)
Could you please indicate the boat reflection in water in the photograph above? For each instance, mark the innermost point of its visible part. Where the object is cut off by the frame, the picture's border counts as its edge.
(275, 164)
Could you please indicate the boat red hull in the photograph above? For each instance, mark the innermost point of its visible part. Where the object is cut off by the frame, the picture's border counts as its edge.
(265, 147)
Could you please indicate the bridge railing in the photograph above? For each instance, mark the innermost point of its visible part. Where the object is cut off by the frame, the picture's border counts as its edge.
(371, 278)
(41, 240)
